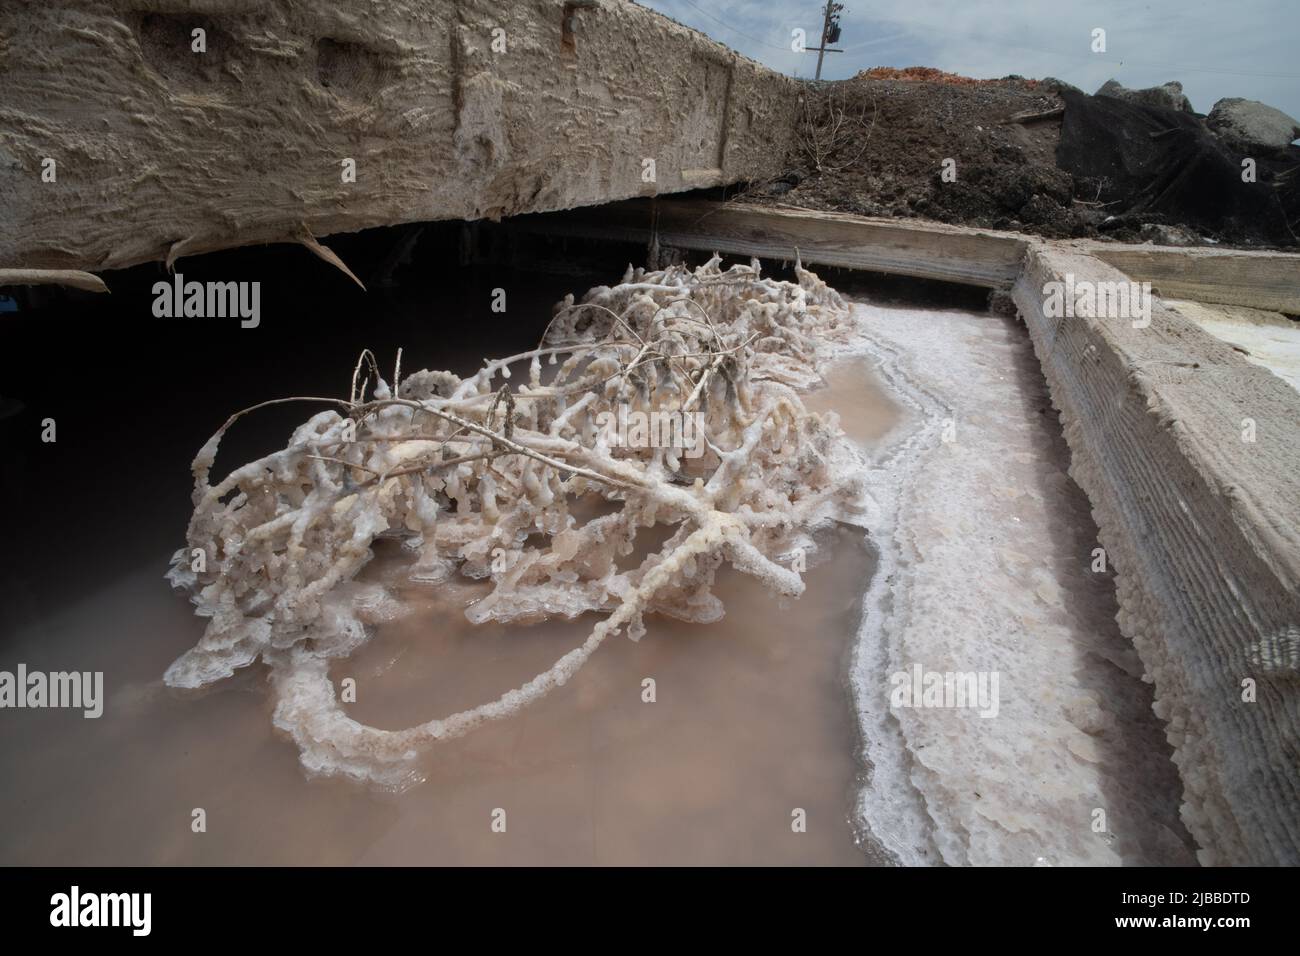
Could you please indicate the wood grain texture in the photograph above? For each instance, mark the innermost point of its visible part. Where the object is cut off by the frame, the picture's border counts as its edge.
(912, 248)
(1257, 280)
(928, 250)
(161, 149)
(1203, 531)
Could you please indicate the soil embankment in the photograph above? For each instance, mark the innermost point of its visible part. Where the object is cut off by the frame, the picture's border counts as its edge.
(1033, 156)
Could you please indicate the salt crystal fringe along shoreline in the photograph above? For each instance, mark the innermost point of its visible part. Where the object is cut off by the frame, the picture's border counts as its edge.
(460, 468)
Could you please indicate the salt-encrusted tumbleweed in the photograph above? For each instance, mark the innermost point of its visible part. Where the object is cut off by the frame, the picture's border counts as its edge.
(459, 469)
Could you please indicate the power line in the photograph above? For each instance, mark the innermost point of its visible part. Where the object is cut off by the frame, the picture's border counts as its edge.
(770, 46)
(877, 41)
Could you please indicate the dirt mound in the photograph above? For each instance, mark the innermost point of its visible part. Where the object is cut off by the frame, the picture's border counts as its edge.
(929, 74)
(877, 147)
(922, 143)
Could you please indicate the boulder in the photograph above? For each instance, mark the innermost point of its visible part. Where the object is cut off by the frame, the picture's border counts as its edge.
(1055, 85)
(1250, 124)
(1165, 235)
(1170, 95)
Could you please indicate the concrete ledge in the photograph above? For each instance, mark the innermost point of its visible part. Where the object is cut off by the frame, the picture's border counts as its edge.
(160, 150)
(1203, 532)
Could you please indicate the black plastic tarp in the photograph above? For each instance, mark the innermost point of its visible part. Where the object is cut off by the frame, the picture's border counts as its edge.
(1150, 164)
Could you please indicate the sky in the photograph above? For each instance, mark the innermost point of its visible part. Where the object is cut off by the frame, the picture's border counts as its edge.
(1245, 48)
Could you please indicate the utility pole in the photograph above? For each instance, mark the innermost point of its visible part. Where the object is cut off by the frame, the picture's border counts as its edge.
(830, 32)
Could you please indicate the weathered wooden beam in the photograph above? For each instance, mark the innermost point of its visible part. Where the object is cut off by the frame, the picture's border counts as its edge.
(121, 142)
(1257, 280)
(911, 248)
(982, 257)
(1187, 454)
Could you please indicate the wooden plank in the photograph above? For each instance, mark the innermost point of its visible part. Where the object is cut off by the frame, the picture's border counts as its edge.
(1258, 280)
(1202, 528)
(926, 250)
(311, 114)
(982, 257)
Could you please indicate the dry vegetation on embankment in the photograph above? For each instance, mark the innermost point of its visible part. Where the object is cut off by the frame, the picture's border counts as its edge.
(875, 145)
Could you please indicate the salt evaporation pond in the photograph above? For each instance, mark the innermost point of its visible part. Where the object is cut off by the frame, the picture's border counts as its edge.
(989, 567)
(983, 547)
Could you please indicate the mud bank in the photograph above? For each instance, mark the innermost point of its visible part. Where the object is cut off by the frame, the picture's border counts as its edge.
(987, 569)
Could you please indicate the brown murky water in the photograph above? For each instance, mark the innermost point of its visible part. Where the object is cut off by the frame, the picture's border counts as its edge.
(752, 721)
(865, 410)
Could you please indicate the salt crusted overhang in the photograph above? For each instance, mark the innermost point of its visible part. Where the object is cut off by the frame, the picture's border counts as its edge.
(450, 109)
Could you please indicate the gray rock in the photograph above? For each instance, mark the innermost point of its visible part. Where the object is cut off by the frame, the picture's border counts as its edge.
(1247, 123)
(1170, 95)
(1058, 86)
(1163, 235)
